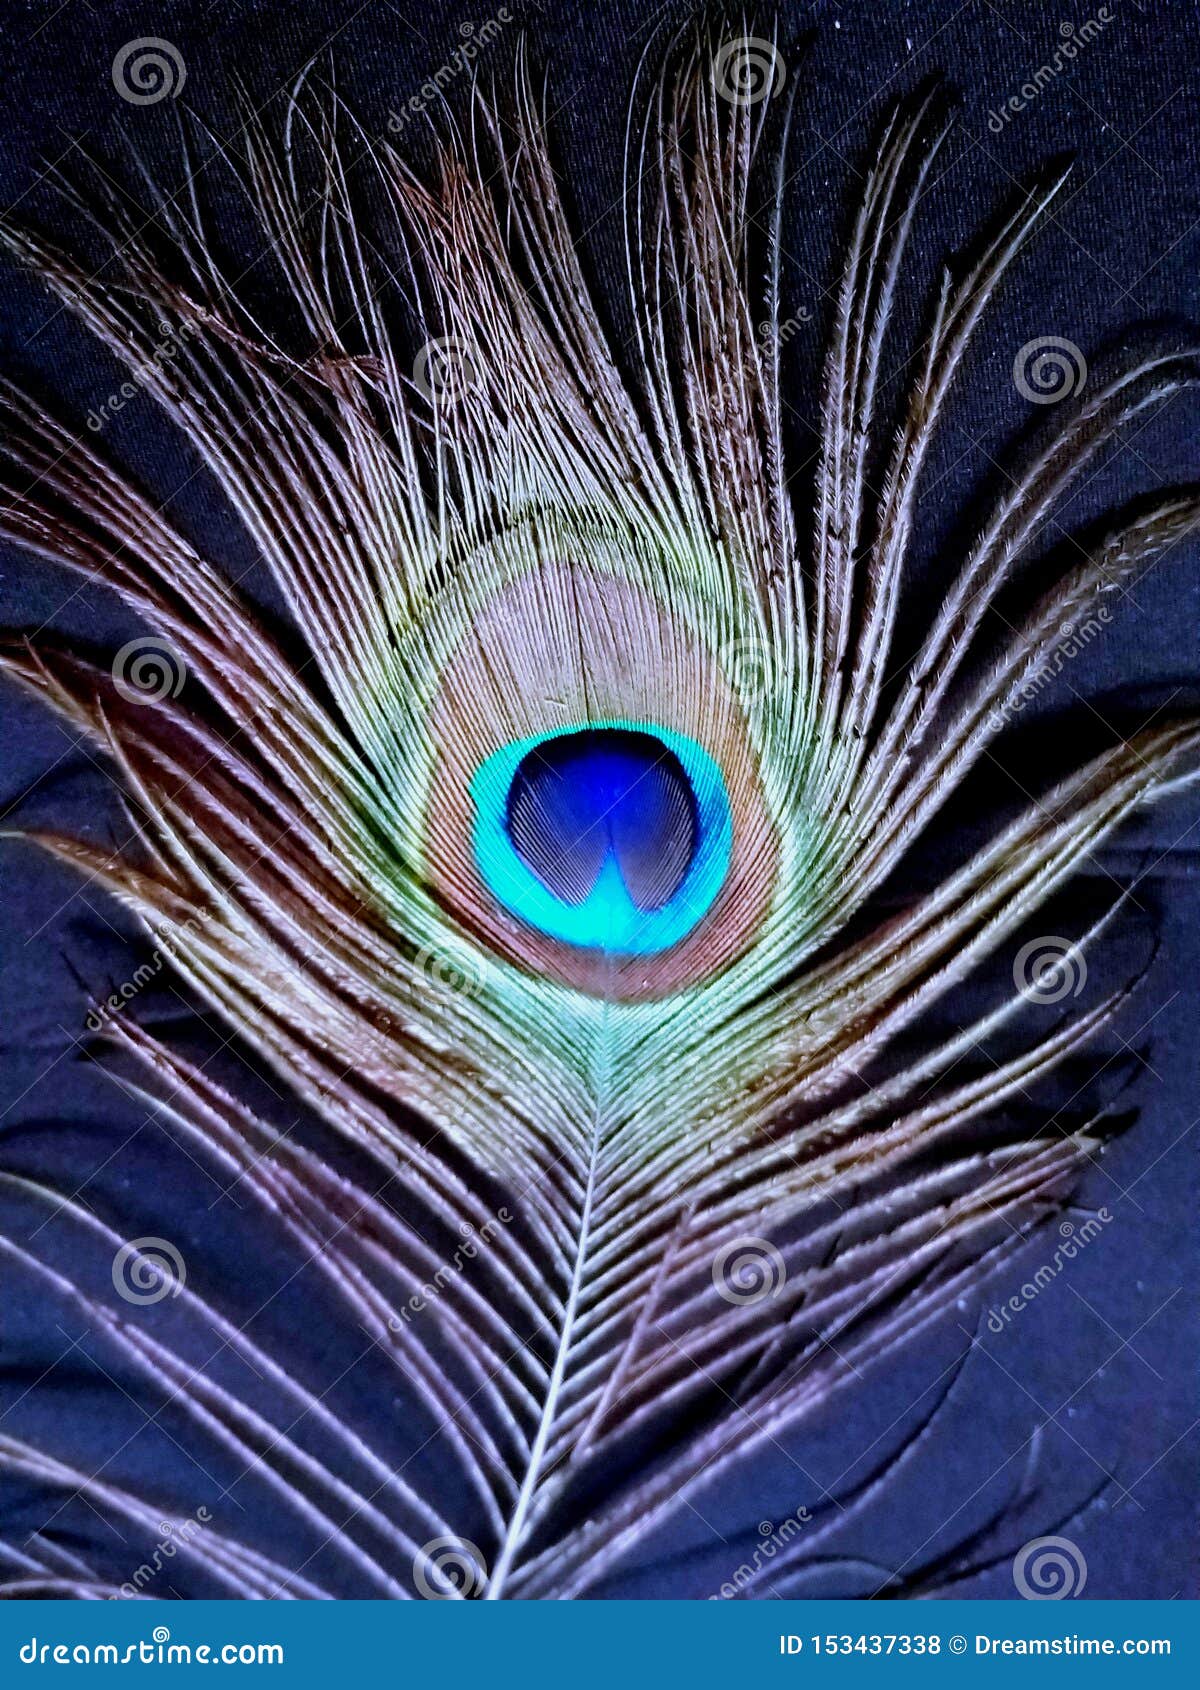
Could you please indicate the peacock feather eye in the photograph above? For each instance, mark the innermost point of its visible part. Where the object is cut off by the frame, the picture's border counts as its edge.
(596, 814)
(614, 838)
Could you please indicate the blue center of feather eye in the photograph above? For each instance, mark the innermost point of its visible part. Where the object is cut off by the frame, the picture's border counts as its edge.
(613, 837)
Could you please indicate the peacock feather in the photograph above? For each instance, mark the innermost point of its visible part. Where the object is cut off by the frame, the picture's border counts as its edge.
(549, 877)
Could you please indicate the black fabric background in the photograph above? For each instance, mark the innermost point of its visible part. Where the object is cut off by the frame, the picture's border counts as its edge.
(1103, 1362)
